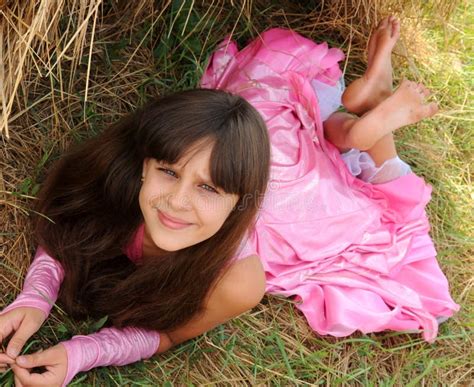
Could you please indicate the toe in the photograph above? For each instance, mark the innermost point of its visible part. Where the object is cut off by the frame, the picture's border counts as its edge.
(433, 108)
(426, 92)
(422, 89)
(395, 28)
(383, 23)
(407, 84)
(430, 109)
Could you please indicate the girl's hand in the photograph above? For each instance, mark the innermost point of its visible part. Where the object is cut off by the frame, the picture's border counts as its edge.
(23, 322)
(54, 359)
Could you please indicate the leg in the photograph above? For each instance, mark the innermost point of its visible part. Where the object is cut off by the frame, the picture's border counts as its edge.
(367, 92)
(337, 127)
(336, 130)
(373, 131)
(375, 85)
(404, 107)
(383, 150)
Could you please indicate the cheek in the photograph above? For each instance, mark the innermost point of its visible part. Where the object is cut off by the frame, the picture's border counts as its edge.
(150, 192)
(216, 212)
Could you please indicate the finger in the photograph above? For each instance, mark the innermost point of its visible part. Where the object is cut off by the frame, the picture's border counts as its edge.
(26, 378)
(17, 382)
(21, 375)
(5, 359)
(6, 328)
(38, 359)
(24, 332)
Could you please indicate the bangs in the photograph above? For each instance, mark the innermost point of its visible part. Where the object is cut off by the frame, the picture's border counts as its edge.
(183, 124)
(227, 164)
(224, 167)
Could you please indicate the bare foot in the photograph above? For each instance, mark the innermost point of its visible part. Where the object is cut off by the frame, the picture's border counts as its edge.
(375, 85)
(404, 107)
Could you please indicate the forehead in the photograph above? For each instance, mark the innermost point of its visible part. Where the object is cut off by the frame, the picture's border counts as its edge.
(196, 157)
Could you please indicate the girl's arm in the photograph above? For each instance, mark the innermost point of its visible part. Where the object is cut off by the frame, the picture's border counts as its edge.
(239, 290)
(109, 346)
(41, 285)
(25, 315)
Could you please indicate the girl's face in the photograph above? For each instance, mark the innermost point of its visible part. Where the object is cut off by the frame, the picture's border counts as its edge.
(180, 204)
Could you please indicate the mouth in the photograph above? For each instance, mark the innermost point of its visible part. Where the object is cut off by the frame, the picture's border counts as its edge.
(172, 223)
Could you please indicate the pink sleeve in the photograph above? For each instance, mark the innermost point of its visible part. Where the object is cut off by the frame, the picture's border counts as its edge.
(42, 283)
(109, 346)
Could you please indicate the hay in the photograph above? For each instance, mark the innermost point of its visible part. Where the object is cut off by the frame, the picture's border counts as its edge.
(69, 67)
(47, 40)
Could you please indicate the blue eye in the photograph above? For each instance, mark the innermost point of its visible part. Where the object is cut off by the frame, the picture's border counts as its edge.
(209, 188)
(172, 173)
(167, 171)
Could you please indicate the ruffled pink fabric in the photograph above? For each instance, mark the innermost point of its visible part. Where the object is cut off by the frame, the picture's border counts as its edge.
(357, 256)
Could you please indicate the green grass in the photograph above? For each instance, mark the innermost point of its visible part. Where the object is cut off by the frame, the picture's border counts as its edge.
(272, 344)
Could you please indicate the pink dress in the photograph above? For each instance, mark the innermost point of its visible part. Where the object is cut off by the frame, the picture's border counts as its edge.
(357, 256)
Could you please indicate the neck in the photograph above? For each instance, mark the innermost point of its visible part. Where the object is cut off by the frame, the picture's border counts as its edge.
(150, 249)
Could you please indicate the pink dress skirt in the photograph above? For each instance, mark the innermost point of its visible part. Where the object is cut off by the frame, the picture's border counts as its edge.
(357, 256)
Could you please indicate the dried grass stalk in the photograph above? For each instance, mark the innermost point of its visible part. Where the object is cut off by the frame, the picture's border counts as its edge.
(41, 38)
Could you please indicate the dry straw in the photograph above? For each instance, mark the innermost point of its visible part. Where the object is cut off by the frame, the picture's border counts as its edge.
(41, 39)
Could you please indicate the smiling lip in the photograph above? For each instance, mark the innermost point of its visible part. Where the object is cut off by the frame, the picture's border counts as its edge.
(172, 223)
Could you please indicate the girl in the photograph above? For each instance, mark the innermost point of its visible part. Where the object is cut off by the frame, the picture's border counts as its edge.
(355, 251)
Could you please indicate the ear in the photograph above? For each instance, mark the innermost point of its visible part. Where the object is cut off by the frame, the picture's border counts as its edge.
(146, 163)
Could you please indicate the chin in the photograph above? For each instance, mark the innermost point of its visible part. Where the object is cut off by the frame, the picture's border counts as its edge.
(166, 246)
(170, 247)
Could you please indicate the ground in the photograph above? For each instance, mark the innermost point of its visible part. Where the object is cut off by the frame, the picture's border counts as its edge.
(68, 89)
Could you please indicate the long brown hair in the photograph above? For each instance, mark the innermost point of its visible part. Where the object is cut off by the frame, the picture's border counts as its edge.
(91, 195)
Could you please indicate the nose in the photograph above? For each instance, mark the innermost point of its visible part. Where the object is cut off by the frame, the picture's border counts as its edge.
(179, 199)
